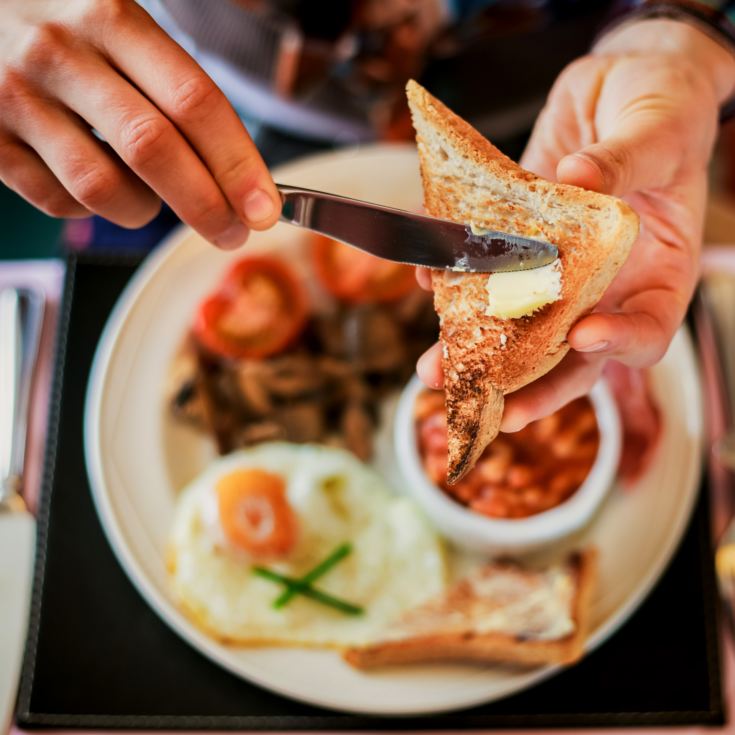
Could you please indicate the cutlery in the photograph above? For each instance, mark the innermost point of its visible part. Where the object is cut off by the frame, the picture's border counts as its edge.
(414, 239)
(21, 314)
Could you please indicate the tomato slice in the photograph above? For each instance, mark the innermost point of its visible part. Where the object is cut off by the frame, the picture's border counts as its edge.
(259, 309)
(357, 277)
(255, 514)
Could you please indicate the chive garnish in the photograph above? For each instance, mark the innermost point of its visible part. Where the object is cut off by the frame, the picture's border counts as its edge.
(302, 587)
(318, 571)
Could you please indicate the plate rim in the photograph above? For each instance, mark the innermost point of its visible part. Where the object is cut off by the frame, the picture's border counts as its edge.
(97, 378)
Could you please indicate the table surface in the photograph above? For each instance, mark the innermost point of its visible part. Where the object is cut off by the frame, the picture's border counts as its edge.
(48, 274)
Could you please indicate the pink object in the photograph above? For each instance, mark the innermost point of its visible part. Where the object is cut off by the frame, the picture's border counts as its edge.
(47, 275)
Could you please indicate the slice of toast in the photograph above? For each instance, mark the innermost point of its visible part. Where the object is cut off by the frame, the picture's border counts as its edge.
(466, 179)
(502, 613)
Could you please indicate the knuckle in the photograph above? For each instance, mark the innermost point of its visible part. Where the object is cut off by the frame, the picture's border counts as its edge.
(195, 97)
(657, 349)
(46, 47)
(18, 101)
(576, 71)
(109, 12)
(58, 204)
(7, 153)
(143, 138)
(242, 173)
(657, 355)
(94, 187)
(647, 343)
(614, 164)
(209, 214)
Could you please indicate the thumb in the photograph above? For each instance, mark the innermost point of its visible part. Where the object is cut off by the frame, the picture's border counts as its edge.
(641, 153)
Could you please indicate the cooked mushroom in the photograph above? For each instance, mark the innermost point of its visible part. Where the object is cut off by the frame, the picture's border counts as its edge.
(186, 403)
(328, 331)
(326, 387)
(374, 339)
(292, 376)
(357, 428)
(302, 422)
(254, 394)
(261, 431)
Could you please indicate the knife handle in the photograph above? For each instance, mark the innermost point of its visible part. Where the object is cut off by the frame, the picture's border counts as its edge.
(21, 315)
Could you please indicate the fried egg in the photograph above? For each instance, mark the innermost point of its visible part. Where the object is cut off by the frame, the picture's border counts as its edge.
(286, 507)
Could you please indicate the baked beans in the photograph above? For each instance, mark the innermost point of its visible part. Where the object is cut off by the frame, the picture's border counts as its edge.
(519, 474)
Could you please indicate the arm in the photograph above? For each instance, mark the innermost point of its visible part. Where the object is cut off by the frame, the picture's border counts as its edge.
(636, 118)
(67, 68)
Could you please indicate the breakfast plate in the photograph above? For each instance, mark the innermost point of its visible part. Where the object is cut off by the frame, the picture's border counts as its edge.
(139, 458)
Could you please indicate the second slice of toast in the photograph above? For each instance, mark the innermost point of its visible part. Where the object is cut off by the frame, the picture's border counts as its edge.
(502, 613)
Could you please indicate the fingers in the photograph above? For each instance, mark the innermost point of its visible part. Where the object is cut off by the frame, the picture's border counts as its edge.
(423, 276)
(638, 336)
(572, 378)
(173, 132)
(82, 165)
(643, 153)
(22, 170)
(429, 367)
(152, 147)
(174, 82)
(617, 166)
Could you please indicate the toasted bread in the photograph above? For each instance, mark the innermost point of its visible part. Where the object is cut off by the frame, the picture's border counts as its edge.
(466, 179)
(466, 624)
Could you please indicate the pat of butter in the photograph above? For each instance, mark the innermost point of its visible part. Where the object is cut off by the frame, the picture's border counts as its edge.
(520, 293)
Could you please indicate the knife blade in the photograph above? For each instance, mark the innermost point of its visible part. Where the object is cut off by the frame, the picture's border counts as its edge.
(414, 239)
(21, 314)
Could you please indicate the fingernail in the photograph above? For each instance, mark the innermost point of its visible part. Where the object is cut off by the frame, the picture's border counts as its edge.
(594, 347)
(430, 377)
(232, 237)
(257, 206)
(509, 426)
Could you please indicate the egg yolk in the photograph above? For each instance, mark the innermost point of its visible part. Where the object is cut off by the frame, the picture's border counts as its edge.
(255, 514)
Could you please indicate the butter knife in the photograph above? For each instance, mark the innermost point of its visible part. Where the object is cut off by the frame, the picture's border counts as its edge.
(414, 239)
(21, 314)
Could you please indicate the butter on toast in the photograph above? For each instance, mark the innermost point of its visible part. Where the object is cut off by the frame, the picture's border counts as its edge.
(466, 179)
(502, 613)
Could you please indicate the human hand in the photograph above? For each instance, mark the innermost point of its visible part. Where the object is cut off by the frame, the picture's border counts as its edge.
(640, 125)
(69, 67)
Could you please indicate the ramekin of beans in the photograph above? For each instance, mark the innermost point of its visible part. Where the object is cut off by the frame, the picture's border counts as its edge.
(528, 489)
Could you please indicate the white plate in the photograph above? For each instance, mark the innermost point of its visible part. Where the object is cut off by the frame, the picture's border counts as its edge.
(138, 459)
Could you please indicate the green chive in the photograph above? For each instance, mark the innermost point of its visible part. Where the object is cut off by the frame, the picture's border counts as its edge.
(307, 591)
(318, 571)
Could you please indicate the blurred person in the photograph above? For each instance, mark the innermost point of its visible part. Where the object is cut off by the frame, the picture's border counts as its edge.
(109, 107)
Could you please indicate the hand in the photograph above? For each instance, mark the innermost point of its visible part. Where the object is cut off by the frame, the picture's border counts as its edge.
(69, 67)
(640, 126)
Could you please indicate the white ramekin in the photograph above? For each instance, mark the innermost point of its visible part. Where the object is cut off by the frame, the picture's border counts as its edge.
(472, 531)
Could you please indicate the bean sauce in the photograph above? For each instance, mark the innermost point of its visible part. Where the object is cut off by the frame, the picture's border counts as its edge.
(518, 474)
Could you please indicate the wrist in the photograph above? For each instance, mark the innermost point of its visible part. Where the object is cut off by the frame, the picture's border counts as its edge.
(677, 38)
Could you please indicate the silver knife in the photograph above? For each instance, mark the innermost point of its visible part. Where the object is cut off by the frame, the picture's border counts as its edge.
(21, 314)
(415, 239)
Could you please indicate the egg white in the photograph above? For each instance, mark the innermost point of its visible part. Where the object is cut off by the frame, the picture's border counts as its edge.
(397, 560)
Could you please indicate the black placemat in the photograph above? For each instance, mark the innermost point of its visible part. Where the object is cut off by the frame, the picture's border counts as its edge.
(98, 656)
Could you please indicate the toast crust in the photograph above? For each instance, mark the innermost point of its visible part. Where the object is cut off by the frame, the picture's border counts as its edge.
(466, 179)
(470, 646)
